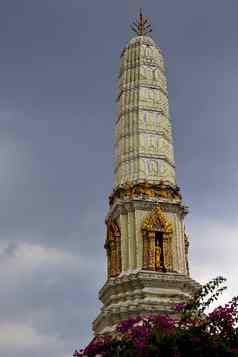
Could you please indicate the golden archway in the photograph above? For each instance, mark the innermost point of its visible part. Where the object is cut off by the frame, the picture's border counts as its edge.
(113, 248)
(157, 236)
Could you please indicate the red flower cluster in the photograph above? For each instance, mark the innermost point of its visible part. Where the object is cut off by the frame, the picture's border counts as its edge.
(224, 318)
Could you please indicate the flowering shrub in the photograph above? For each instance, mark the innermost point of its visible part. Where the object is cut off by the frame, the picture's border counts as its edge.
(193, 333)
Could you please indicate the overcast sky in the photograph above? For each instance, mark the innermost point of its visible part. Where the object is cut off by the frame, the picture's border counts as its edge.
(59, 61)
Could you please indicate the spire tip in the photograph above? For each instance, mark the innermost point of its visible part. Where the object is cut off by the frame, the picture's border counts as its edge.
(141, 26)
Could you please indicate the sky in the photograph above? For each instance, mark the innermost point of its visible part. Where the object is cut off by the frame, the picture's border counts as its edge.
(59, 61)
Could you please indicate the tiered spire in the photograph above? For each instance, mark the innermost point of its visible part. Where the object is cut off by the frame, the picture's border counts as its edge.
(143, 145)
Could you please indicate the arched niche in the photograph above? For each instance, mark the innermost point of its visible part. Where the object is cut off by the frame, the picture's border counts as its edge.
(157, 236)
(113, 248)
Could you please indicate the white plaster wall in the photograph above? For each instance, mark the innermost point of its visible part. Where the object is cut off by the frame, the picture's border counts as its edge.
(178, 251)
(139, 216)
(123, 224)
(131, 240)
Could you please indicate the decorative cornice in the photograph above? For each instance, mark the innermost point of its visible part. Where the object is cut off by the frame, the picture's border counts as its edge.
(168, 279)
(144, 190)
(145, 156)
(142, 84)
(128, 66)
(139, 107)
(160, 132)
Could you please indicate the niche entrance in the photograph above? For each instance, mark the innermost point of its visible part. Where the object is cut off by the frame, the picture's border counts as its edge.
(157, 237)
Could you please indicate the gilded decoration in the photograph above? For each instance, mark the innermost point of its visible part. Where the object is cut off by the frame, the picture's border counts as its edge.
(144, 189)
(186, 246)
(113, 248)
(157, 235)
(157, 221)
(158, 264)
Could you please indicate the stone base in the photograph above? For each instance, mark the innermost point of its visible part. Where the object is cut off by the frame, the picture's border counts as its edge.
(141, 293)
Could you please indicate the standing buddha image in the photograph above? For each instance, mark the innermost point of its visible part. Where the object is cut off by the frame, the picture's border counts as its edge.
(146, 243)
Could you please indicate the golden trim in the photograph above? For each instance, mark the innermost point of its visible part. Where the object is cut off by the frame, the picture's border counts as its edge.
(157, 221)
(113, 248)
(144, 189)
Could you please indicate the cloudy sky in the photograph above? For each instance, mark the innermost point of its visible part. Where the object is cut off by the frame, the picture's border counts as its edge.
(58, 69)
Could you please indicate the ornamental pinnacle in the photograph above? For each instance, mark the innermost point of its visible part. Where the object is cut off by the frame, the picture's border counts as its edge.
(141, 26)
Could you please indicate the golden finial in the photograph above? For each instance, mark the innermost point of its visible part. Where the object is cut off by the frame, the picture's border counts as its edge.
(141, 26)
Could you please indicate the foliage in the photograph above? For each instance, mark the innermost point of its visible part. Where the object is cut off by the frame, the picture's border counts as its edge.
(189, 332)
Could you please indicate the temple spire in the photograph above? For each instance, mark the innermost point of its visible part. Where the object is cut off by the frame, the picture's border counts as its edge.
(141, 26)
(146, 243)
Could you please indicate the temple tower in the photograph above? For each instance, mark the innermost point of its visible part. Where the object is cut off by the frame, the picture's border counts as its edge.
(146, 242)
